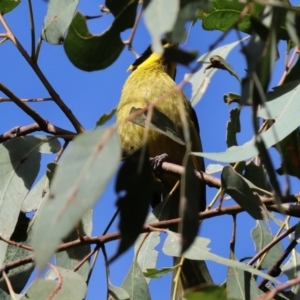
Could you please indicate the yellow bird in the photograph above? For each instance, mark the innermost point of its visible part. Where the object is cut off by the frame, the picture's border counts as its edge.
(152, 77)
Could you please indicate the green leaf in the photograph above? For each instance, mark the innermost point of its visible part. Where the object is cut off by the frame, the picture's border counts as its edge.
(180, 56)
(241, 284)
(135, 190)
(70, 258)
(36, 195)
(285, 109)
(232, 97)
(159, 18)
(200, 79)
(262, 236)
(154, 273)
(19, 276)
(124, 12)
(218, 62)
(19, 165)
(91, 52)
(8, 5)
(257, 176)
(289, 149)
(293, 73)
(208, 293)
(199, 251)
(135, 283)
(187, 12)
(233, 127)
(62, 283)
(223, 14)
(106, 117)
(147, 255)
(159, 122)
(235, 186)
(58, 18)
(291, 267)
(79, 181)
(117, 293)
(293, 26)
(190, 206)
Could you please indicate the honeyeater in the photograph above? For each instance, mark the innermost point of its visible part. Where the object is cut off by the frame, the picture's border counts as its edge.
(151, 78)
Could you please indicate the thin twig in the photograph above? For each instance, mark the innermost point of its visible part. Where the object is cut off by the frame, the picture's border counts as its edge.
(137, 20)
(275, 269)
(270, 245)
(229, 210)
(288, 66)
(271, 294)
(45, 99)
(13, 243)
(32, 29)
(24, 130)
(232, 241)
(9, 286)
(56, 98)
(60, 282)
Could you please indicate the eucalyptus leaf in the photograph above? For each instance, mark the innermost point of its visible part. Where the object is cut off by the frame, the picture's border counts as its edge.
(200, 79)
(160, 18)
(235, 186)
(160, 123)
(285, 109)
(57, 20)
(199, 251)
(79, 181)
(135, 283)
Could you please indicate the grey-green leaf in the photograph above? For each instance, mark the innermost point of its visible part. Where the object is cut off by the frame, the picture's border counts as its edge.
(200, 79)
(117, 293)
(40, 289)
(262, 236)
(72, 257)
(241, 284)
(199, 251)
(58, 18)
(284, 107)
(19, 166)
(78, 183)
(135, 283)
(159, 18)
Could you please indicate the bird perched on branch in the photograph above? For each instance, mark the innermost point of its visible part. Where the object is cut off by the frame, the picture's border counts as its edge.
(152, 78)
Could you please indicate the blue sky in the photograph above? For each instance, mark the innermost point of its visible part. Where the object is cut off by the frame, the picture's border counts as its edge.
(89, 95)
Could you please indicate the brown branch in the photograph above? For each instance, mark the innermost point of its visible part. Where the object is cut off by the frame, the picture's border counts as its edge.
(37, 100)
(60, 282)
(275, 268)
(9, 286)
(100, 240)
(271, 244)
(271, 294)
(24, 130)
(13, 243)
(56, 98)
(209, 179)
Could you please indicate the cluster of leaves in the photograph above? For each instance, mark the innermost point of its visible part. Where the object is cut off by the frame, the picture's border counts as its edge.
(63, 198)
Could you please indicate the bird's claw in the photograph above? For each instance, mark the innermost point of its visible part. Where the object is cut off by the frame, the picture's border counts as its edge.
(157, 162)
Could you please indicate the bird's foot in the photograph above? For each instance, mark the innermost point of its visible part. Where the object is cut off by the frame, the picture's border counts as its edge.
(157, 162)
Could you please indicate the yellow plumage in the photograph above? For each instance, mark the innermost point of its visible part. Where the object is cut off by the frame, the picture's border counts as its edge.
(151, 78)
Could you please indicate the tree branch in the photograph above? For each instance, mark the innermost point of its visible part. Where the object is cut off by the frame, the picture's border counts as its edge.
(24, 130)
(56, 98)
